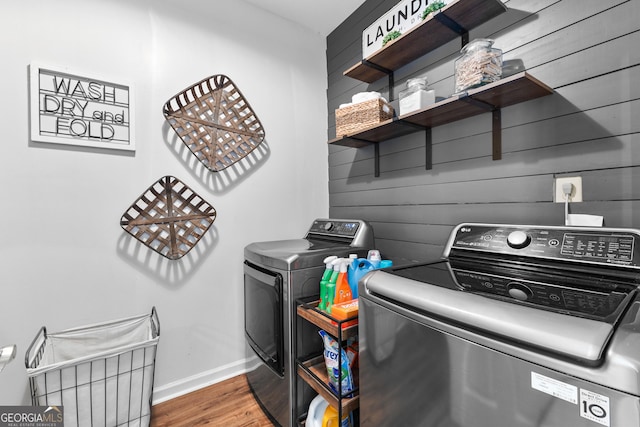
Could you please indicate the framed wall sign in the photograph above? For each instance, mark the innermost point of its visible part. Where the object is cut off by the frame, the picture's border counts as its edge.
(402, 17)
(75, 109)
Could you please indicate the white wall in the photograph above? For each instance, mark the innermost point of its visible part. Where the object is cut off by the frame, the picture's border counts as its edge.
(66, 261)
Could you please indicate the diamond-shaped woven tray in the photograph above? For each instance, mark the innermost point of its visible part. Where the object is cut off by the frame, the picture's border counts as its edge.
(169, 218)
(215, 121)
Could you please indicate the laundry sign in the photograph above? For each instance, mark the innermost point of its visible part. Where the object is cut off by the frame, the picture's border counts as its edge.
(402, 17)
(69, 108)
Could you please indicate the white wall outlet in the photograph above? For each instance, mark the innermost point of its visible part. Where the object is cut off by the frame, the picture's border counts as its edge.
(576, 191)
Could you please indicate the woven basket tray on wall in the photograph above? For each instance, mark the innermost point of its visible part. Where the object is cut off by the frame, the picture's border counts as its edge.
(360, 116)
(215, 121)
(169, 218)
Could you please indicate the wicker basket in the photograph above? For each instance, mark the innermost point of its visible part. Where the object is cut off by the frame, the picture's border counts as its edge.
(363, 115)
(215, 121)
(169, 218)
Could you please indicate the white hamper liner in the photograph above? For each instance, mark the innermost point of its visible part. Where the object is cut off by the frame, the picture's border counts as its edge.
(101, 374)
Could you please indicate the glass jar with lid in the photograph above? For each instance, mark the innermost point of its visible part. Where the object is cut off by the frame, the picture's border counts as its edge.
(416, 96)
(479, 64)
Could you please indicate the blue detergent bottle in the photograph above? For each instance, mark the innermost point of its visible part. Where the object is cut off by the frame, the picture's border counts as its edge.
(374, 257)
(353, 284)
(386, 263)
(358, 268)
(361, 266)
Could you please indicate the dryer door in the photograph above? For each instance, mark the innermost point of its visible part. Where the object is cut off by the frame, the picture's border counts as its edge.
(263, 324)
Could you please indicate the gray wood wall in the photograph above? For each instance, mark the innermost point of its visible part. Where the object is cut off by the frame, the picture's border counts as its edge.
(586, 50)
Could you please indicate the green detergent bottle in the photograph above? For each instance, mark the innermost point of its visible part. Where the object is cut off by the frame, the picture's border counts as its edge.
(324, 280)
(331, 286)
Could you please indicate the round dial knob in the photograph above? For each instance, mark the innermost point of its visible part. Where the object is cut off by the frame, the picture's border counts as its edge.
(328, 226)
(519, 291)
(518, 239)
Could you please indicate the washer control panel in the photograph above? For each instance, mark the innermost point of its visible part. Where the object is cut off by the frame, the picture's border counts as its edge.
(591, 302)
(576, 244)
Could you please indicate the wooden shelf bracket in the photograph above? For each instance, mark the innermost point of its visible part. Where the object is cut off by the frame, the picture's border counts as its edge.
(496, 131)
(428, 150)
(376, 66)
(496, 124)
(376, 160)
(453, 26)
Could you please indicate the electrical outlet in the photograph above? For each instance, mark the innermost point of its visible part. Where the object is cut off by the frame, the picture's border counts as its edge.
(576, 192)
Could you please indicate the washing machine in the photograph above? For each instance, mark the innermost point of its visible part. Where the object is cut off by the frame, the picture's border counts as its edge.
(518, 326)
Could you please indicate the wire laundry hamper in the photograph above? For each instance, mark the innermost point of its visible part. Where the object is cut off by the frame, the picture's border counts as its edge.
(101, 374)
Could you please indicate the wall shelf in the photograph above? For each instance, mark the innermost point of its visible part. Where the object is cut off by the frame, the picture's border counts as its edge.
(452, 21)
(492, 97)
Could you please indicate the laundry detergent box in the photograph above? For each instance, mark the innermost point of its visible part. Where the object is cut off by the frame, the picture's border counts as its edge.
(338, 365)
(346, 310)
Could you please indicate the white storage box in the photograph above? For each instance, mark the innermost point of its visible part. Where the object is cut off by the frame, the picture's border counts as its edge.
(101, 374)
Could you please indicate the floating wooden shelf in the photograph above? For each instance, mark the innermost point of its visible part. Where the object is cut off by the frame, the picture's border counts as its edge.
(511, 90)
(450, 22)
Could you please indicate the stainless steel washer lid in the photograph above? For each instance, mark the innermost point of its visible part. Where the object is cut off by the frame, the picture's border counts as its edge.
(324, 238)
(294, 254)
(577, 338)
(617, 348)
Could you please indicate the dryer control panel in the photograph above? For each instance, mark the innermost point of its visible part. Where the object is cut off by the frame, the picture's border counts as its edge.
(352, 232)
(599, 246)
(335, 227)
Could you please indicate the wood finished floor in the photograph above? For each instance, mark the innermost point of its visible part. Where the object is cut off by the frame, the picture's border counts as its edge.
(229, 403)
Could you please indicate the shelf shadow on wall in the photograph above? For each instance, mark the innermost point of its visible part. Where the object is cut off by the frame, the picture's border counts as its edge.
(170, 273)
(217, 182)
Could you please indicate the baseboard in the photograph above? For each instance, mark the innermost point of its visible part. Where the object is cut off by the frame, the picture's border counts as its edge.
(204, 379)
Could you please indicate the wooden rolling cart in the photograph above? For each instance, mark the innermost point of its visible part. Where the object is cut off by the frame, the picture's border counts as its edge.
(311, 368)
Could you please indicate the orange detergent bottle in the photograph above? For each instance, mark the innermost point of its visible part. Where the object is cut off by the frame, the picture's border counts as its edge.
(343, 290)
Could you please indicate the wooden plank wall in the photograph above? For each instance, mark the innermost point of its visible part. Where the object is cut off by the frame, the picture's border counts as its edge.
(586, 50)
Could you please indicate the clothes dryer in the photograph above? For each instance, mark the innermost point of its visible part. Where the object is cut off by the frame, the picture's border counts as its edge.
(276, 275)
